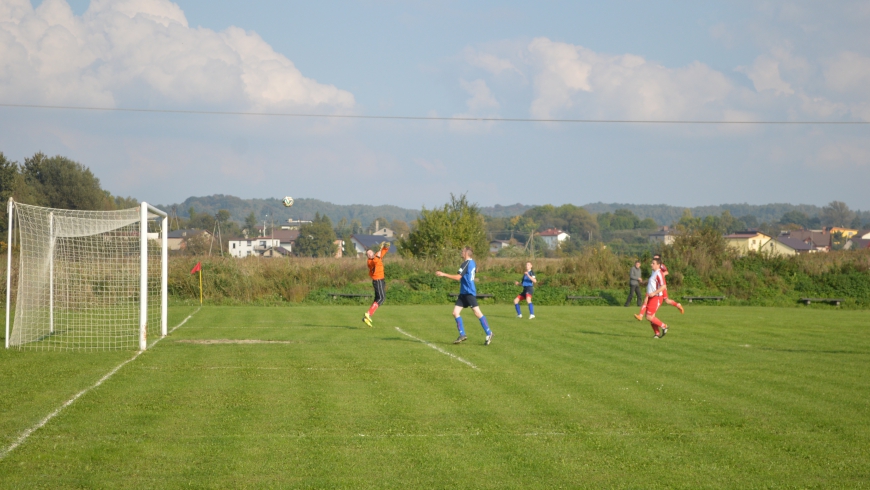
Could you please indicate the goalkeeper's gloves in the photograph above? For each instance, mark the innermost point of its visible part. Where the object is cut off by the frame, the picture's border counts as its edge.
(387, 245)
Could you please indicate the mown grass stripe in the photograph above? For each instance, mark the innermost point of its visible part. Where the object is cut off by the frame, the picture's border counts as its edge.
(24, 435)
(439, 349)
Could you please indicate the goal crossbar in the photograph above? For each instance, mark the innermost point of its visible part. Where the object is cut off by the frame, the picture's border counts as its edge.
(81, 274)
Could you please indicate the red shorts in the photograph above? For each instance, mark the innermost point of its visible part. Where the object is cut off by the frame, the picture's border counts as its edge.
(653, 304)
(665, 293)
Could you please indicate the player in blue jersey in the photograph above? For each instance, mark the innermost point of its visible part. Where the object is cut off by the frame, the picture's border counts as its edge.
(528, 283)
(467, 296)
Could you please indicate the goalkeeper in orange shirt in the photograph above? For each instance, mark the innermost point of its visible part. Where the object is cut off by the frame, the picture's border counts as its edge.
(376, 272)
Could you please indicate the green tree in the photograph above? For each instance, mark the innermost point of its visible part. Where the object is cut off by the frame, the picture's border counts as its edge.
(342, 229)
(443, 232)
(223, 217)
(317, 239)
(836, 213)
(125, 202)
(251, 225)
(573, 219)
(689, 223)
(795, 217)
(65, 184)
(200, 221)
(400, 228)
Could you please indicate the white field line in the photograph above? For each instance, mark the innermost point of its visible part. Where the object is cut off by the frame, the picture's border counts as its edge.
(24, 435)
(439, 349)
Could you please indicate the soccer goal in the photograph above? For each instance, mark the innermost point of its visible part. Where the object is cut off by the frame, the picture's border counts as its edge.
(85, 280)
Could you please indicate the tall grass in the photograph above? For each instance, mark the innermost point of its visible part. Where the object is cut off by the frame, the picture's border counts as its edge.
(695, 270)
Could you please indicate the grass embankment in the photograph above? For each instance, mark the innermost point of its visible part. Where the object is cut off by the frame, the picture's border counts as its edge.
(577, 398)
(751, 280)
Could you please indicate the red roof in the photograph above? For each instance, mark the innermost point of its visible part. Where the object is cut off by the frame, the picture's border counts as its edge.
(551, 232)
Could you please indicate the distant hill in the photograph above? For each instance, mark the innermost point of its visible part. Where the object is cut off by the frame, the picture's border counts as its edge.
(303, 208)
(499, 211)
(664, 214)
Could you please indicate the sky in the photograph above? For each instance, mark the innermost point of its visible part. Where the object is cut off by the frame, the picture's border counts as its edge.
(738, 60)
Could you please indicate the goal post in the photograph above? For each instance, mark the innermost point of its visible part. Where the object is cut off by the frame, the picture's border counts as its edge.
(86, 280)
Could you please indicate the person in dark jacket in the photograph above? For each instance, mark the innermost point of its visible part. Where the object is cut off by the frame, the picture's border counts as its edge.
(634, 279)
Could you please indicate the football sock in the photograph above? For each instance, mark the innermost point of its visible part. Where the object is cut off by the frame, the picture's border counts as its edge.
(531, 309)
(518, 308)
(643, 310)
(373, 309)
(656, 324)
(485, 325)
(459, 326)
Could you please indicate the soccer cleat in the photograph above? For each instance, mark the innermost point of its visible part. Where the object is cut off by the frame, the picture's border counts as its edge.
(519, 316)
(680, 307)
(531, 316)
(460, 339)
(639, 317)
(664, 330)
(488, 339)
(367, 319)
(657, 336)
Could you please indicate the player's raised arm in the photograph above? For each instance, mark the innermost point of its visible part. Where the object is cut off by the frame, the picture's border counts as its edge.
(385, 247)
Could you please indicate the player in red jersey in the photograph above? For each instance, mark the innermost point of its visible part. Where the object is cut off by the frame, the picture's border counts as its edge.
(655, 297)
(669, 301)
(664, 270)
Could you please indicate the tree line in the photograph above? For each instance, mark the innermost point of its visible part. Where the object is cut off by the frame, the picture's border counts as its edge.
(55, 182)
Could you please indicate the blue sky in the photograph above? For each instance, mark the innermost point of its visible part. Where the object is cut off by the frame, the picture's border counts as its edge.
(735, 61)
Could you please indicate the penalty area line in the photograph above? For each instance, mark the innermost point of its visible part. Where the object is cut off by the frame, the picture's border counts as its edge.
(439, 349)
(24, 435)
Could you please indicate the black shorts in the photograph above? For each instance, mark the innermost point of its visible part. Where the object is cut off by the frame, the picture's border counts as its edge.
(527, 291)
(467, 301)
(380, 291)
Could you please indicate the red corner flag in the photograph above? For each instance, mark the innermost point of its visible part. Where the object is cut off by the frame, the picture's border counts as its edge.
(196, 268)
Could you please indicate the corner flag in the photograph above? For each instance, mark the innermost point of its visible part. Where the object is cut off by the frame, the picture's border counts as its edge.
(198, 268)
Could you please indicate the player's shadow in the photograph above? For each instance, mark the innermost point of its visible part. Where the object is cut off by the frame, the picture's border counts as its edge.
(323, 325)
(608, 334)
(813, 351)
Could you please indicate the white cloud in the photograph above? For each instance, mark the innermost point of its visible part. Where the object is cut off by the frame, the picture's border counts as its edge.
(489, 62)
(143, 52)
(764, 74)
(849, 72)
(620, 85)
(482, 103)
(481, 97)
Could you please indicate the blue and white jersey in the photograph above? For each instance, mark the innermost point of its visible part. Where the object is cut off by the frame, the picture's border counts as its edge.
(527, 279)
(466, 284)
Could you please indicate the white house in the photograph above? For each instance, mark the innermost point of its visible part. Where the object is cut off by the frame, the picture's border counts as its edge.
(665, 236)
(496, 245)
(176, 239)
(286, 237)
(244, 247)
(553, 237)
(361, 243)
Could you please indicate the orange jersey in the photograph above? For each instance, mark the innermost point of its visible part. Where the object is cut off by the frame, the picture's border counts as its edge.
(376, 265)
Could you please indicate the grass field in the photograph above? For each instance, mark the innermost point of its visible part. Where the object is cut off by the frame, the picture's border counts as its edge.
(578, 397)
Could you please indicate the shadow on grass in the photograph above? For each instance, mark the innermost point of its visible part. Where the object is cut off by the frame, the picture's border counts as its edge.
(811, 351)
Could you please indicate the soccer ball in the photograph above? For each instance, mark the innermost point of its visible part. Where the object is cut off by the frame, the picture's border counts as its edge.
(287, 201)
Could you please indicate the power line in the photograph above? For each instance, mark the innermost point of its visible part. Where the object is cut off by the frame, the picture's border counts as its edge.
(426, 118)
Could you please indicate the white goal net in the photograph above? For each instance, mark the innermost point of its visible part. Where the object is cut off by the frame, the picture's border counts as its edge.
(86, 280)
